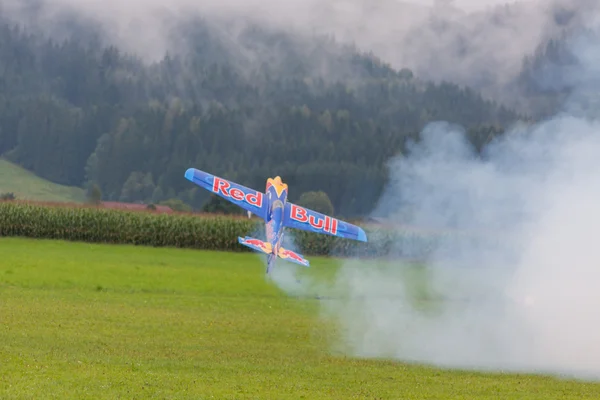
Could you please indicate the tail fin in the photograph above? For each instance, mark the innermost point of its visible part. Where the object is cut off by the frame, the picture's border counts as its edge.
(256, 244)
(266, 248)
(291, 256)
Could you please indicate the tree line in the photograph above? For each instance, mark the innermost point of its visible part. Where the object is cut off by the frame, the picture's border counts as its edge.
(82, 113)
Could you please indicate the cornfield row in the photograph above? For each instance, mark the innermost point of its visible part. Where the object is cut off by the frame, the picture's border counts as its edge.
(99, 225)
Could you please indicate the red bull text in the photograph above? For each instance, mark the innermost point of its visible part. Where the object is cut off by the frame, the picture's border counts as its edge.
(326, 224)
(223, 187)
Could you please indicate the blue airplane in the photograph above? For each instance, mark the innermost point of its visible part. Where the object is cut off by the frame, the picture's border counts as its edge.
(278, 213)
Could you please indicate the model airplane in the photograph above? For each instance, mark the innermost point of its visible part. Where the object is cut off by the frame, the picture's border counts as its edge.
(278, 213)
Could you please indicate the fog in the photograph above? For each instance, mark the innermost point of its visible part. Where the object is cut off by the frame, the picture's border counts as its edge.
(479, 43)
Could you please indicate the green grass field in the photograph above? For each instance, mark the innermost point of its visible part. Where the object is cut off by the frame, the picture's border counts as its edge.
(27, 186)
(104, 322)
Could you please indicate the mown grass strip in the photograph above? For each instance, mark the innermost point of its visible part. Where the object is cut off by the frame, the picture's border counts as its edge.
(84, 321)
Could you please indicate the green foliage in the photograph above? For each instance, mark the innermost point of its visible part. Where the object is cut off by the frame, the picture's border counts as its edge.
(94, 194)
(91, 224)
(218, 205)
(176, 205)
(317, 201)
(120, 227)
(139, 186)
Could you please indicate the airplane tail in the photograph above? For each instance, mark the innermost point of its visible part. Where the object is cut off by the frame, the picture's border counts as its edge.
(291, 256)
(256, 244)
(266, 248)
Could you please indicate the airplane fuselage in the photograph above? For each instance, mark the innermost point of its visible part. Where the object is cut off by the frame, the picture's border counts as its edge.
(276, 196)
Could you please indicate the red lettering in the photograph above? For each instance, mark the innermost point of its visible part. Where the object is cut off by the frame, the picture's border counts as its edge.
(220, 185)
(318, 224)
(298, 214)
(328, 224)
(237, 194)
(254, 199)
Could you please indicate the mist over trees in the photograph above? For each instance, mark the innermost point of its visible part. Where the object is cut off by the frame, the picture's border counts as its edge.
(78, 111)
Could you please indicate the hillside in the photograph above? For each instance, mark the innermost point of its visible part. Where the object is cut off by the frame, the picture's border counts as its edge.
(28, 186)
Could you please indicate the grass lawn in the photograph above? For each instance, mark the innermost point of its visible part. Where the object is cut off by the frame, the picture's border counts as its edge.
(27, 186)
(102, 322)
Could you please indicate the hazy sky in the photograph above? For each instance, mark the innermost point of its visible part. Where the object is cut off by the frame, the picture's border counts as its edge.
(483, 50)
(469, 5)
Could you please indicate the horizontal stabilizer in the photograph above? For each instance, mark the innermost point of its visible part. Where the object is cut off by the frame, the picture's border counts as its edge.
(256, 244)
(291, 256)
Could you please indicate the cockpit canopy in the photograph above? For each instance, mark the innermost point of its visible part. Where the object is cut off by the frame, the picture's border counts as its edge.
(276, 209)
(276, 204)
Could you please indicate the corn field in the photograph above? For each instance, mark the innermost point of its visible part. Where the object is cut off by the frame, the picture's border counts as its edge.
(99, 225)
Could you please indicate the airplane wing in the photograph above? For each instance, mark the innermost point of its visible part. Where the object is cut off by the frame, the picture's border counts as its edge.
(308, 220)
(246, 198)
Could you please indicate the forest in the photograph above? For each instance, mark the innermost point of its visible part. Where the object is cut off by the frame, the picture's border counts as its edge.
(80, 112)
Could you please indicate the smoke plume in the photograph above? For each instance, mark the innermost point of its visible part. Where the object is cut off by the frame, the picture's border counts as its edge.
(518, 289)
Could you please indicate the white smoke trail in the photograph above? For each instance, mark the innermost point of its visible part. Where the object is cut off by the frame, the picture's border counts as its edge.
(286, 275)
(524, 295)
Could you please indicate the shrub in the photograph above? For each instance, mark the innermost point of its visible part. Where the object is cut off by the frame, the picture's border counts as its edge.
(318, 201)
(7, 196)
